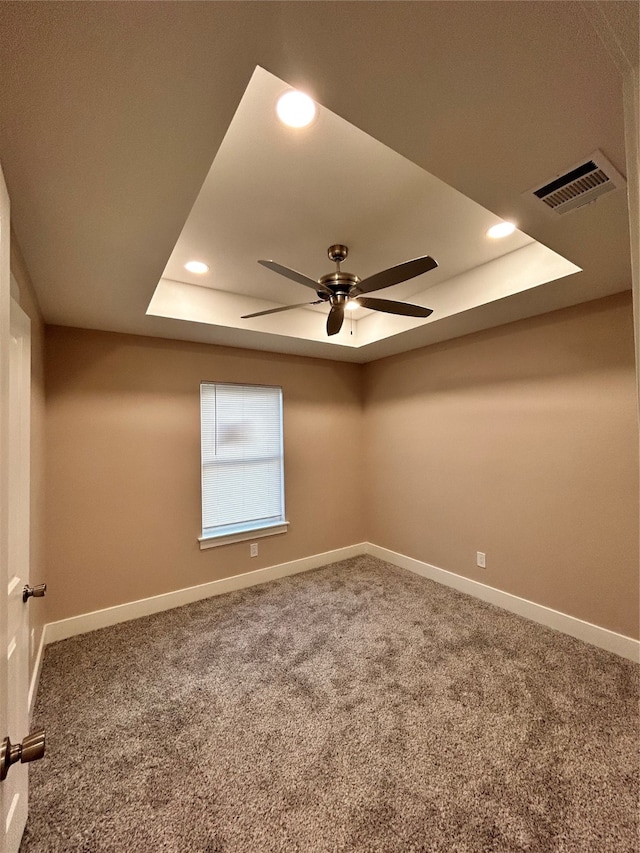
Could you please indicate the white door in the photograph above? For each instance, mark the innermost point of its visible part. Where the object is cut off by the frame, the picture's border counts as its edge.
(15, 371)
(17, 576)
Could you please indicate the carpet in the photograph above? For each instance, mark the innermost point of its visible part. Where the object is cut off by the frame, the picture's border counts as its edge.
(357, 707)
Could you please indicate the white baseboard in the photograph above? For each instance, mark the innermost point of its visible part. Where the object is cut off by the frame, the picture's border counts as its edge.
(626, 647)
(65, 628)
(35, 675)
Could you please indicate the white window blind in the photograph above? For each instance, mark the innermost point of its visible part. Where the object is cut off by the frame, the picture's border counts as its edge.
(242, 459)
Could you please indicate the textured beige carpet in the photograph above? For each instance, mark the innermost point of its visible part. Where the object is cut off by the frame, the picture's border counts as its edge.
(353, 708)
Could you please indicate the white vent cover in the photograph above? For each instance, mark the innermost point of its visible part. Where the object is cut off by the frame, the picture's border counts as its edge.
(582, 184)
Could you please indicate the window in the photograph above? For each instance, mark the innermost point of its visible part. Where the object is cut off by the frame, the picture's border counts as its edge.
(242, 462)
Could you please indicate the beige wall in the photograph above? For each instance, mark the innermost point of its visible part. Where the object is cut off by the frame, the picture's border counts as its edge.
(37, 572)
(521, 442)
(123, 456)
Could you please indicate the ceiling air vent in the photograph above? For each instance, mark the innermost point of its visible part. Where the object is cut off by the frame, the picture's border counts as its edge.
(580, 185)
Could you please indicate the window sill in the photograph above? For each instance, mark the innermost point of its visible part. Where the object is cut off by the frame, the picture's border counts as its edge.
(258, 533)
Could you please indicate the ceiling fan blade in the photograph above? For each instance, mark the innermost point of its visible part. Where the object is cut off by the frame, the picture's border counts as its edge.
(296, 276)
(277, 310)
(394, 275)
(335, 318)
(391, 307)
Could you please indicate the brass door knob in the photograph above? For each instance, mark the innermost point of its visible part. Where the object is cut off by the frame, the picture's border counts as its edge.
(35, 591)
(31, 749)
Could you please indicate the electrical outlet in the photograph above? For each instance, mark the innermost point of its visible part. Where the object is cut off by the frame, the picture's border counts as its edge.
(253, 549)
(481, 559)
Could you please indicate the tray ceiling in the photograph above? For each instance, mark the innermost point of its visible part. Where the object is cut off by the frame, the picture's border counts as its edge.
(287, 194)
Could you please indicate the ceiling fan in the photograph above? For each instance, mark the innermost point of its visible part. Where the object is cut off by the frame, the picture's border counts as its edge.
(342, 288)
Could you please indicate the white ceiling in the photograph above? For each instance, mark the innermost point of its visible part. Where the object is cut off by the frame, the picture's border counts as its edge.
(112, 115)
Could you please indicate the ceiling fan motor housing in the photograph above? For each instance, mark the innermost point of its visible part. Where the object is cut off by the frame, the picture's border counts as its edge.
(341, 283)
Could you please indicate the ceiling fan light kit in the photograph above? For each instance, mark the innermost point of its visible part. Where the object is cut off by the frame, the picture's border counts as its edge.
(341, 288)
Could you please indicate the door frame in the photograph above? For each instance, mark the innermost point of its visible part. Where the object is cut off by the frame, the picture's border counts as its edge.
(5, 290)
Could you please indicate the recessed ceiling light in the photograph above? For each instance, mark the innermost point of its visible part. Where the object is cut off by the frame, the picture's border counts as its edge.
(296, 109)
(502, 229)
(196, 266)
